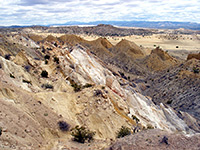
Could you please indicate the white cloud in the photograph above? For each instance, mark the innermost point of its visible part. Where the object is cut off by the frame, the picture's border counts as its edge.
(27, 12)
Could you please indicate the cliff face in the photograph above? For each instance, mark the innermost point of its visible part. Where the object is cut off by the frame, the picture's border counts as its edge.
(79, 89)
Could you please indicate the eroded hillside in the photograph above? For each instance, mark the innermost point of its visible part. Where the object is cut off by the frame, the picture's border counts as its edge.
(45, 80)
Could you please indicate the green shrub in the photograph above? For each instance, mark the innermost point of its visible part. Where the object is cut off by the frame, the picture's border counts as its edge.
(44, 74)
(169, 102)
(47, 57)
(64, 126)
(149, 126)
(12, 76)
(47, 86)
(27, 68)
(135, 118)
(87, 85)
(1, 131)
(98, 92)
(7, 56)
(124, 131)
(76, 87)
(26, 81)
(81, 134)
(56, 59)
(195, 70)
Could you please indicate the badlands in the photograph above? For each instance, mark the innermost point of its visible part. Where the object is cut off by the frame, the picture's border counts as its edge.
(100, 78)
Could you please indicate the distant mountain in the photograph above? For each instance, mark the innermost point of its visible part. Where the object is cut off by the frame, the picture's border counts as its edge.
(140, 24)
(143, 24)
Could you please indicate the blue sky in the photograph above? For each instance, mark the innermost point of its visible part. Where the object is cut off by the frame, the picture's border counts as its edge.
(43, 12)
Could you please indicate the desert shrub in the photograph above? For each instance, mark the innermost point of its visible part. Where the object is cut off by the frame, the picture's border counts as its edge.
(76, 87)
(149, 126)
(44, 74)
(47, 57)
(177, 46)
(50, 49)
(164, 140)
(169, 102)
(7, 56)
(12, 76)
(43, 49)
(36, 58)
(47, 86)
(122, 75)
(1, 131)
(45, 114)
(81, 134)
(27, 68)
(195, 70)
(56, 45)
(0, 66)
(56, 59)
(87, 85)
(64, 126)
(135, 118)
(46, 62)
(26, 81)
(124, 131)
(72, 66)
(98, 92)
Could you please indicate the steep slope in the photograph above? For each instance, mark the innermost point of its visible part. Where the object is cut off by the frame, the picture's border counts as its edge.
(71, 39)
(100, 48)
(178, 87)
(159, 60)
(26, 122)
(127, 47)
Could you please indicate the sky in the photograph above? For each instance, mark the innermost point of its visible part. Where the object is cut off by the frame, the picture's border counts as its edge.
(45, 12)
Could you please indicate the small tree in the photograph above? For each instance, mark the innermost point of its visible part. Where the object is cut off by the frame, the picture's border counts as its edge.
(81, 134)
(124, 131)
